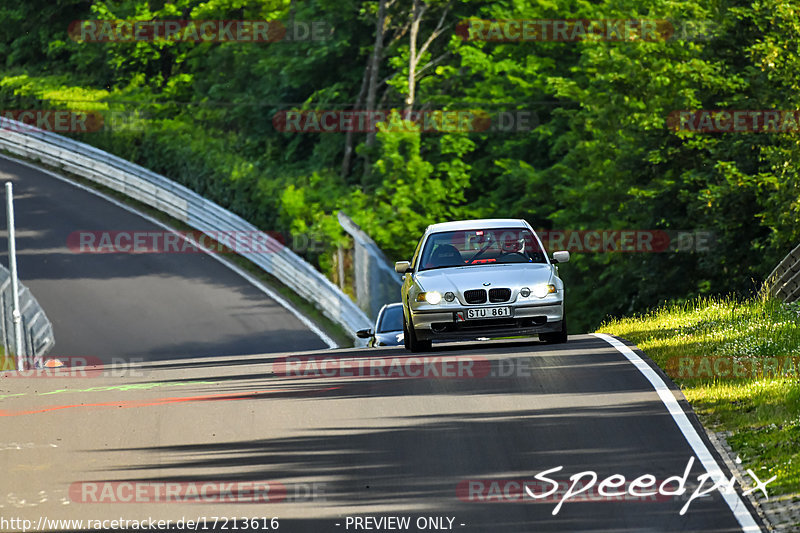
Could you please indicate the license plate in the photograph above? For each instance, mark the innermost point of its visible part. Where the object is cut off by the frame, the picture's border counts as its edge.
(487, 312)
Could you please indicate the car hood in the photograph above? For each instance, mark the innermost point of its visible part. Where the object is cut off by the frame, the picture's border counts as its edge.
(473, 277)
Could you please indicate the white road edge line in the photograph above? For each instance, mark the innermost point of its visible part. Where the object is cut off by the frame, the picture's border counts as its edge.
(243, 273)
(735, 503)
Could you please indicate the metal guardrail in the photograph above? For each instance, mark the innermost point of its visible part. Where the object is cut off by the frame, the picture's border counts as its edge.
(37, 337)
(185, 205)
(376, 282)
(784, 281)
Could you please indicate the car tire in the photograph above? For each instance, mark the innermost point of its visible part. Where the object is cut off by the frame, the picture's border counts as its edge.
(410, 340)
(406, 337)
(556, 337)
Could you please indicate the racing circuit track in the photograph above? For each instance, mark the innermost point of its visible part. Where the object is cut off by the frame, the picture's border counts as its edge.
(338, 446)
(134, 305)
(211, 407)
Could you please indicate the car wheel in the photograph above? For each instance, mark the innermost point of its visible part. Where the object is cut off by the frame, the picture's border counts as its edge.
(556, 337)
(410, 339)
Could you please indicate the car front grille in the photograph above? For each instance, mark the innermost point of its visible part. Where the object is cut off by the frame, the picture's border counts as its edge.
(475, 296)
(499, 295)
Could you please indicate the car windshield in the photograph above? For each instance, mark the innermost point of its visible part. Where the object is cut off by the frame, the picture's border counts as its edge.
(391, 320)
(480, 247)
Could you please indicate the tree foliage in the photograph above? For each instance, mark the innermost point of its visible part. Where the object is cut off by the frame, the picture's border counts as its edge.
(601, 154)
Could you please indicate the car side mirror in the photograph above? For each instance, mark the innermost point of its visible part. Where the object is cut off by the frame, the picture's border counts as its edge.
(561, 257)
(364, 333)
(401, 267)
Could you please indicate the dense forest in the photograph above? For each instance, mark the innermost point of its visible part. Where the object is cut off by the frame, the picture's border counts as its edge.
(569, 133)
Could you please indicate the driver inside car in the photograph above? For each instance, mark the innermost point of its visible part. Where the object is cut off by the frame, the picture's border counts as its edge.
(512, 250)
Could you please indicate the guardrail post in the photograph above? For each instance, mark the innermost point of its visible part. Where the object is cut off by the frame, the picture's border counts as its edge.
(12, 266)
(340, 265)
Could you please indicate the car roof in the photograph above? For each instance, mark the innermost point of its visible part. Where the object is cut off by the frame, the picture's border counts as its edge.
(480, 223)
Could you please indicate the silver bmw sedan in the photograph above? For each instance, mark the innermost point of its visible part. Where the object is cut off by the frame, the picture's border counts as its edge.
(481, 278)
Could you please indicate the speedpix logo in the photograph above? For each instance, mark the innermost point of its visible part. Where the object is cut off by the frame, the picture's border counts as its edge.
(587, 486)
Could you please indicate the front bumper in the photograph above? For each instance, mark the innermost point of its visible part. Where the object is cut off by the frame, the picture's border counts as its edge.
(530, 319)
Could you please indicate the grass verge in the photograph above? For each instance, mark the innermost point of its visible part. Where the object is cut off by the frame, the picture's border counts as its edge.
(331, 328)
(736, 362)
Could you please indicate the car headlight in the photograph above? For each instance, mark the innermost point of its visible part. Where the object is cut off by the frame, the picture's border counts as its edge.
(525, 292)
(449, 296)
(542, 290)
(432, 297)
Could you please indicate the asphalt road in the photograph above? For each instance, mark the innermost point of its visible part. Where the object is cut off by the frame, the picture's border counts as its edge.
(150, 306)
(348, 446)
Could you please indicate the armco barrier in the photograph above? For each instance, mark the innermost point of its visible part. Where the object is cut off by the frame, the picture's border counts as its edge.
(376, 282)
(784, 281)
(37, 332)
(183, 204)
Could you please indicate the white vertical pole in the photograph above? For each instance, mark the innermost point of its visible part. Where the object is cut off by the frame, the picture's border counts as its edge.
(12, 266)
